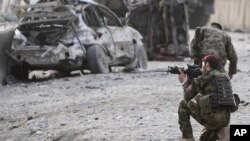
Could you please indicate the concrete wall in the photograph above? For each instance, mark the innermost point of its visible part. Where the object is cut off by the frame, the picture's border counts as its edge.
(233, 14)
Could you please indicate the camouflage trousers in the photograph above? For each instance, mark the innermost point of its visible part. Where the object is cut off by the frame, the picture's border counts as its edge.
(212, 122)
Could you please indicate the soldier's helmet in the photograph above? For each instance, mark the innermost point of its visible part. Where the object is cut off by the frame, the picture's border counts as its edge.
(210, 57)
(216, 25)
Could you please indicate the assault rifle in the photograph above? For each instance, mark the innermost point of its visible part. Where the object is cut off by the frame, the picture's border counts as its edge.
(192, 71)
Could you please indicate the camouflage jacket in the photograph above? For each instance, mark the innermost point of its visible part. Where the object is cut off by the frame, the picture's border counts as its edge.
(202, 85)
(216, 42)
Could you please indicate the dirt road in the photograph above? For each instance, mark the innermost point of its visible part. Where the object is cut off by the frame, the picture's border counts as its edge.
(115, 106)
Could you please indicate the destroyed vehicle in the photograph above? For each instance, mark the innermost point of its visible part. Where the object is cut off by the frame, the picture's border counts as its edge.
(62, 37)
(164, 25)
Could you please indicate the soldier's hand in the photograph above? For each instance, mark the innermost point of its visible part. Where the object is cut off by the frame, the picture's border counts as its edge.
(182, 77)
(189, 89)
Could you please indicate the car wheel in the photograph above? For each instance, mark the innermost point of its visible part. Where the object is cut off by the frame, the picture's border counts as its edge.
(97, 59)
(142, 58)
(6, 38)
(20, 72)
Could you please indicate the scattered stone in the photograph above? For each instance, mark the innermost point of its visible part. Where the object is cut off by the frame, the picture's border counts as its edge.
(76, 111)
(68, 135)
(145, 88)
(92, 87)
(66, 79)
(43, 95)
(39, 132)
(63, 124)
(157, 109)
(107, 77)
(32, 132)
(96, 118)
(1, 118)
(30, 118)
(13, 127)
(118, 78)
(241, 39)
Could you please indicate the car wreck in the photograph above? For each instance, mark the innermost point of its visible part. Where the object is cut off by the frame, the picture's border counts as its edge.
(163, 24)
(64, 36)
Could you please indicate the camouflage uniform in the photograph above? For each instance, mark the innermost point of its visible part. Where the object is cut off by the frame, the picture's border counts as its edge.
(198, 105)
(216, 42)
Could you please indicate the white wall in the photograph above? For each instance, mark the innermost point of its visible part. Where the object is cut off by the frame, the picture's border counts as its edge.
(233, 14)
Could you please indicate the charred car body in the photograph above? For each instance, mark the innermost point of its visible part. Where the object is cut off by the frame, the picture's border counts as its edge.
(163, 24)
(57, 35)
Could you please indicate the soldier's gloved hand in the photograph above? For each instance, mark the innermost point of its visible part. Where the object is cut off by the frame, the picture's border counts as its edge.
(182, 77)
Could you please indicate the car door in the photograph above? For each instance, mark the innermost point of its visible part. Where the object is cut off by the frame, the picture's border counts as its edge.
(121, 34)
(92, 18)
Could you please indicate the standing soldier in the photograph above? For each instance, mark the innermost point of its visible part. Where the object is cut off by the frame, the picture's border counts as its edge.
(212, 40)
(209, 100)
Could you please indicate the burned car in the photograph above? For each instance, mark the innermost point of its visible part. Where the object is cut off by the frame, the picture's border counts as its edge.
(60, 36)
(163, 24)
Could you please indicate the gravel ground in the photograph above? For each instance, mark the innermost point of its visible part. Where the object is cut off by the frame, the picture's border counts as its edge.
(115, 106)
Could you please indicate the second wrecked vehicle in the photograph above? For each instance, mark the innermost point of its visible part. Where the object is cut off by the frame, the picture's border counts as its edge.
(163, 24)
(65, 37)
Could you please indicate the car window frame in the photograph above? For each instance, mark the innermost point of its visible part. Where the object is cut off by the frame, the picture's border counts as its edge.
(105, 11)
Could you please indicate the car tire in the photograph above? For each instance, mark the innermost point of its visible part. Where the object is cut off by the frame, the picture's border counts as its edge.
(20, 72)
(6, 38)
(97, 59)
(140, 60)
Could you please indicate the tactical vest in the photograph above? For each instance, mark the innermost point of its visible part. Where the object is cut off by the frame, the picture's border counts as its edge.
(223, 96)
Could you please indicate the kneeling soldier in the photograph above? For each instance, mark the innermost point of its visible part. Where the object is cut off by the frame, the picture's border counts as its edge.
(209, 100)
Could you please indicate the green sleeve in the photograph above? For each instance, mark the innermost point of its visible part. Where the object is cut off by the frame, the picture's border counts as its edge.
(231, 56)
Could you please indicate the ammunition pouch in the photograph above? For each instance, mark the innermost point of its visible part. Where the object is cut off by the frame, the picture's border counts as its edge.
(205, 104)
